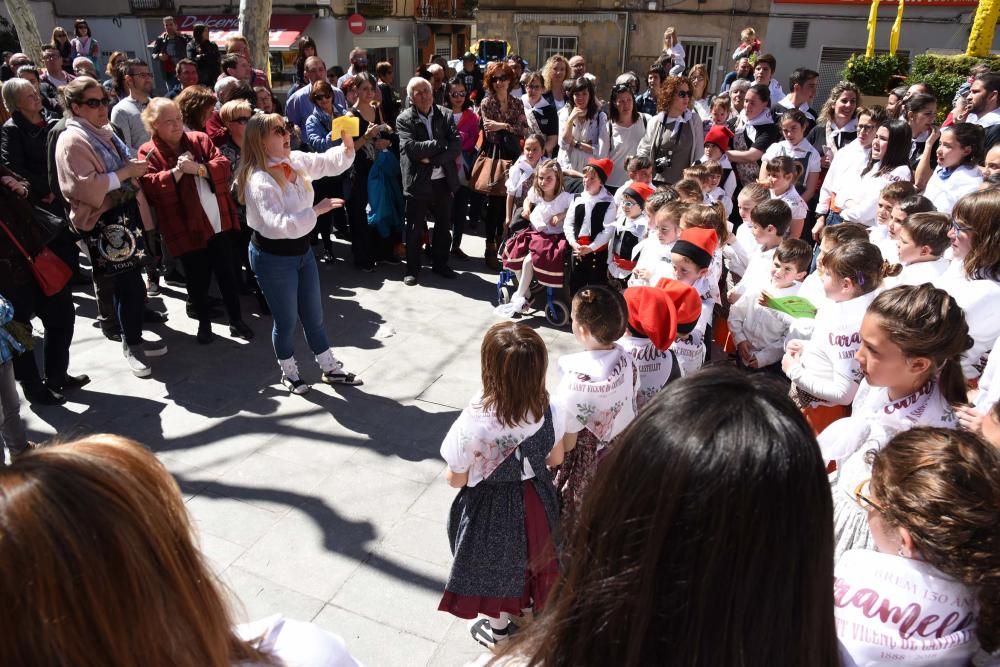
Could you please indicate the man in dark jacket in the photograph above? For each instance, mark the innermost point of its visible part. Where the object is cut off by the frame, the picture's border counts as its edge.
(429, 145)
(205, 54)
(169, 49)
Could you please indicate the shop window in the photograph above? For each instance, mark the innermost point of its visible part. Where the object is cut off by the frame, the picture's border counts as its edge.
(552, 45)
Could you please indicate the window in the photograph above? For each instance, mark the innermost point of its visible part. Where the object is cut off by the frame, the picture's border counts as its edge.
(701, 52)
(551, 45)
(442, 45)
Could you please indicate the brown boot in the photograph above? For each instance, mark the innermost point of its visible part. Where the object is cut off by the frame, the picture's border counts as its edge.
(491, 256)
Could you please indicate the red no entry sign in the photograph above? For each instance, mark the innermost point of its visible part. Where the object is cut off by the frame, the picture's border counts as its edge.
(356, 23)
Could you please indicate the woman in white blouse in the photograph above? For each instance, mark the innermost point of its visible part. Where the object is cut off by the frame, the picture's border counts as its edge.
(627, 128)
(583, 132)
(275, 185)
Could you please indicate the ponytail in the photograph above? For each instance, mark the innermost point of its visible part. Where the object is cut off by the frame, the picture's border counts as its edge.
(888, 270)
(924, 321)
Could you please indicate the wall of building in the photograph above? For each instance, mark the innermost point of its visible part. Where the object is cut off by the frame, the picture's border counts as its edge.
(937, 28)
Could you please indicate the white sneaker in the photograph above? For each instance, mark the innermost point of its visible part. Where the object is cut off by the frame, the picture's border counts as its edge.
(135, 361)
(290, 376)
(154, 348)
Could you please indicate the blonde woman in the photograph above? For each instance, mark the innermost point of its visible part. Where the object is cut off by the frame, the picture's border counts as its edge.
(555, 72)
(275, 185)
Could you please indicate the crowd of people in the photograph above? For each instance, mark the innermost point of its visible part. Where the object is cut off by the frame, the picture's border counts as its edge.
(837, 269)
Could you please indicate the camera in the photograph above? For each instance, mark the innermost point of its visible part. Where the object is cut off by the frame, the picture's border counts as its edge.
(664, 162)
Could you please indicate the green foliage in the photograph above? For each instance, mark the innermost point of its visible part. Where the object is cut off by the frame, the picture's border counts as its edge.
(875, 75)
(944, 74)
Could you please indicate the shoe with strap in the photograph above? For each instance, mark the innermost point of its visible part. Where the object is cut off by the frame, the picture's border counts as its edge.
(333, 370)
(290, 376)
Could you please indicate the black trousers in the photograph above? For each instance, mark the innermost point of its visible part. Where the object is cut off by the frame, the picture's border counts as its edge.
(58, 319)
(199, 266)
(468, 205)
(439, 204)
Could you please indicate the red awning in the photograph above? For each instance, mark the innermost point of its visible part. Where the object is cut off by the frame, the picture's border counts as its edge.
(284, 30)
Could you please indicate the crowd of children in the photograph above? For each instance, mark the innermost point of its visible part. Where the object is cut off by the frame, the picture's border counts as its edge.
(885, 325)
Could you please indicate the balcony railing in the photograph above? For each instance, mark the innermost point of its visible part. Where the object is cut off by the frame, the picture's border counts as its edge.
(376, 7)
(151, 5)
(442, 9)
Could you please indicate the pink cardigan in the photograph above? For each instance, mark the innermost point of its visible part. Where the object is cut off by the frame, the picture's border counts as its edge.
(84, 182)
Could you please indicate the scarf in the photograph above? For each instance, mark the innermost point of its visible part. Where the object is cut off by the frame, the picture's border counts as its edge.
(598, 391)
(876, 418)
(112, 150)
(944, 173)
(521, 173)
(833, 132)
(749, 125)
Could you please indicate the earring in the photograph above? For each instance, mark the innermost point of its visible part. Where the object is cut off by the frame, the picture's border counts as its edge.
(899, 552)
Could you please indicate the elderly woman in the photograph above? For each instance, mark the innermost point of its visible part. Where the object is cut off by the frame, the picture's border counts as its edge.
(675, 137)
(97, 176)
(19, 287)
(196, 104)
(23, 146)
(188, 182)
(505, 126)
(317, 136)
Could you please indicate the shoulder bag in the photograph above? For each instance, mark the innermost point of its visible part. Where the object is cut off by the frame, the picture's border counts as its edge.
(51, 273)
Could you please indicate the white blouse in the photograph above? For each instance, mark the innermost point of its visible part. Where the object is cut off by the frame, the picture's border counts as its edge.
(277, 212)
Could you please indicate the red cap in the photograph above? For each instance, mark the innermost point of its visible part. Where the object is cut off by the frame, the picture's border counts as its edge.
(604, 167)
(698, 245)
(686, 301)
(639, 192)
(652, 314)
(720, 135)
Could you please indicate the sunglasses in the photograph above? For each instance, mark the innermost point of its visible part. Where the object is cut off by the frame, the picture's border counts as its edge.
(95, 103)
(683, 93)
(242, 120)
(322, 96)
(865, 128)
(500, 79)
(457, 93)
(280, 131)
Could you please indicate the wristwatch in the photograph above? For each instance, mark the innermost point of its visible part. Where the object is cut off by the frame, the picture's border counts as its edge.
(202, 171)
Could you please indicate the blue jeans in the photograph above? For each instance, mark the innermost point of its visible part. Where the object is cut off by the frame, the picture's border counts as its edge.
(291, 287)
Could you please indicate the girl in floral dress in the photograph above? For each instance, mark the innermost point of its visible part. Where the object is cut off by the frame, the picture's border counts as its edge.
(597, 392)
(504, 519)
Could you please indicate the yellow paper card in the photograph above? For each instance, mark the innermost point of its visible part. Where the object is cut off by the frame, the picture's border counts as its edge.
(349, 124)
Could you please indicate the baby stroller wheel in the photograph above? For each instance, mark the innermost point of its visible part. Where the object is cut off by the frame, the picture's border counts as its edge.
(557, 314)
(504, 293)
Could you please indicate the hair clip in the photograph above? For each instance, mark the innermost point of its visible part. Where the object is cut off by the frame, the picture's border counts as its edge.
(860, 279)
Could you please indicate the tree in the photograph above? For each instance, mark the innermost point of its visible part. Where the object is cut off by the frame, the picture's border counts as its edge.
(27, 28)
(255, 25)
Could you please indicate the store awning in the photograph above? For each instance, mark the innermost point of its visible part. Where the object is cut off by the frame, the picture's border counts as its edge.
(285, 29)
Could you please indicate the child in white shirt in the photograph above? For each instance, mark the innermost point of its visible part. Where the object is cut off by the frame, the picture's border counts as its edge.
(922, 239)
(782, 173)
(718, 193)
(758, 331)
(654, 253)
(768, 223)
(691, 259)
(626, 233)
(793, 126)
(744, 246)
(640, 170)
(957, 174)
(887, 217)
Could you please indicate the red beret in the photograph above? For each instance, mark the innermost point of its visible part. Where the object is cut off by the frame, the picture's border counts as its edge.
(652, 314)
(720, 135)
(604, 167)
(698, 245)
(687, 303)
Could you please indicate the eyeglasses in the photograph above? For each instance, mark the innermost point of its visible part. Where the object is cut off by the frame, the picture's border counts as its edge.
(242, 120)
(865, 128)
(457, 93)
(863, 500)
(322, 96)
(97, 102)
(50, 56)
(697, 78)
(959, 228)
(280, 131)
(500, 79)
(683, 93)
(628, 204)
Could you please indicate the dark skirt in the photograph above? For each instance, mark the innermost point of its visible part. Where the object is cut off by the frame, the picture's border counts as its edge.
(548, 255)
(539, 576)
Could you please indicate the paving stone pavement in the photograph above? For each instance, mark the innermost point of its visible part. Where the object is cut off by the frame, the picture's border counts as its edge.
(328, 507)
